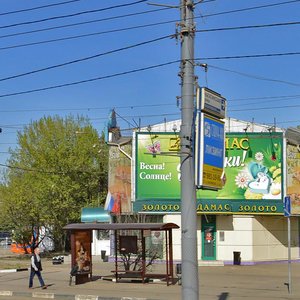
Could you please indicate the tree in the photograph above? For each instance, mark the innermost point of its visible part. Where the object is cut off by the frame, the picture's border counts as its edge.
(59, 166)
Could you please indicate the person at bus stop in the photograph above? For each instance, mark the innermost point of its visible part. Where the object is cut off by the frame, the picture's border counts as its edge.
(36, 269)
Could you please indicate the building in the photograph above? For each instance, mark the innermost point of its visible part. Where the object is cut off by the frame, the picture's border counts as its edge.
(244, 221)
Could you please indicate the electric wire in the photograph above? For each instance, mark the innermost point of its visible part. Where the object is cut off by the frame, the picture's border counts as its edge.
(37, 7)
(86, 22)
(86, 58)
(255, 76)
(266, 108)
(247, 9)
(72, 15)
(249, 27)
(145, 12)
(144, 69)
(89, 80)
(139, 27)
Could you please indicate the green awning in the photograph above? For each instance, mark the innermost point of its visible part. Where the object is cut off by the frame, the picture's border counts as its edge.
(94, 214)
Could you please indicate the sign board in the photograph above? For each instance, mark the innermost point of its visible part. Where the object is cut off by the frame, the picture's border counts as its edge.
(249, 158)
(157, 166)
(287, 206)
(212, 103)
(209, 152)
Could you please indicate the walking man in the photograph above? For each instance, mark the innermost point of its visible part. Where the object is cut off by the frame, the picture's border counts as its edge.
(36, 268)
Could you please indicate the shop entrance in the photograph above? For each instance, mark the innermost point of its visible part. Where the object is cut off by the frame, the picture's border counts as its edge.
(208, 237)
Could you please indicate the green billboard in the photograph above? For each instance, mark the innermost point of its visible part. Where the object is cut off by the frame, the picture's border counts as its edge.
(157, 166)
(252, 183)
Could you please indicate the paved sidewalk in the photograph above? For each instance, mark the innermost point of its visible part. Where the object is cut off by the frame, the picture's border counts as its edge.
(218, 283)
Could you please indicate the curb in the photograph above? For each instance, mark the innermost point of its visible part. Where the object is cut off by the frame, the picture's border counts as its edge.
(14, 270)
(41, 295)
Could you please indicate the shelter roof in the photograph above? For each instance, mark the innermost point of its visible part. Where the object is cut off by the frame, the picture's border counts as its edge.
(121, 226)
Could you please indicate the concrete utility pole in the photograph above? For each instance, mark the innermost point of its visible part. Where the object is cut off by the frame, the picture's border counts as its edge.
(188, 191)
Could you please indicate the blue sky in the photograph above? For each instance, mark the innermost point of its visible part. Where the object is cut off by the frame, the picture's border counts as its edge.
(261, 89)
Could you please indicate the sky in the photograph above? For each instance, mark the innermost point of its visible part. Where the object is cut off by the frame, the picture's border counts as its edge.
(86, 57)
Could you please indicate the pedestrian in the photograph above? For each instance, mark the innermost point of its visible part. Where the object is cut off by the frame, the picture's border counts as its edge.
(36, 268)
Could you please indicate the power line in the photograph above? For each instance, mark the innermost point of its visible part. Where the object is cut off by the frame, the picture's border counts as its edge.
(247, 9)
(267, 107)
(85, 58)
(249, 56)
(89, 80)
(36, 8)
(71, 15)
(73, 37)
(265, 97)
(144, 12)
(265, 101)
(255, 76)
(139, 27)
(144, 69)
(86, 22)
(249, 27)
(85, 108)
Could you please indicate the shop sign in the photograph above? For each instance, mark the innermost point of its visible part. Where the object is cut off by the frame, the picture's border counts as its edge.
(253, 173)
(213, 207)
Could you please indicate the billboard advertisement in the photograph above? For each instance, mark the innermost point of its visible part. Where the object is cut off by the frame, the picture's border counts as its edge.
(119, 180)
(293, 177)
(157, 166)
(253, 175)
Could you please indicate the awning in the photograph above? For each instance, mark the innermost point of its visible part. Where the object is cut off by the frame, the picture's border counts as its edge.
(121, 226)
(94, 214)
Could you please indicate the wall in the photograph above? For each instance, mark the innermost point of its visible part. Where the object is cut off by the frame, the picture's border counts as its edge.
(270, 238)
(237, 237)
(176, 218)
(99, 244)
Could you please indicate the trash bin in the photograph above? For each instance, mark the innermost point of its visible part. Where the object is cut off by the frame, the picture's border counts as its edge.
(178, 273)
(103, 252)
(236, 258)
(105, 259)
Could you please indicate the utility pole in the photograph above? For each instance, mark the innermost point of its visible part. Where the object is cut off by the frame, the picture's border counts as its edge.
(188, 191)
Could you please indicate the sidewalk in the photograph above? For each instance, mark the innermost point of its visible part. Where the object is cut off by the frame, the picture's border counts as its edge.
(218, 283)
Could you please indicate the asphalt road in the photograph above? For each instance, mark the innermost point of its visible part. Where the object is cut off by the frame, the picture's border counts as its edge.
(256, 282)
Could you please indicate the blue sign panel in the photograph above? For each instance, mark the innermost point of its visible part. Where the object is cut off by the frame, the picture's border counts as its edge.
(210, 155)
(287, 206)
(213, 142)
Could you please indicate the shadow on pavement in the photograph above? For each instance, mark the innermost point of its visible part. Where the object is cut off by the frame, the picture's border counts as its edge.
(223, 296)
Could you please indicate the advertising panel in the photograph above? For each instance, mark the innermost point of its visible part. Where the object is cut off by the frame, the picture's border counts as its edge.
(82, 246)
(293, 177)
(119, 180)
(157, 166)
(210, 149)
(253, 167)
(253, 175)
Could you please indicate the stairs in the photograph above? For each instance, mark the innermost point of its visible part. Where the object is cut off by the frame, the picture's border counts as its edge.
(210, 263)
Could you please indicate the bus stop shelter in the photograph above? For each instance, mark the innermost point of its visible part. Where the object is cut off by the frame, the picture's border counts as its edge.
(123, 244)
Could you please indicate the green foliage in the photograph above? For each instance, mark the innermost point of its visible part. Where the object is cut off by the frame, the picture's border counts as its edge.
(59, 166)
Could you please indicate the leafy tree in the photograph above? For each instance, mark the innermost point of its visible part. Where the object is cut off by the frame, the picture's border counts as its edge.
(59, 166)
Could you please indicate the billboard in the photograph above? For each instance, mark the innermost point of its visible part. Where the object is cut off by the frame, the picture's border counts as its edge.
(119, 180)
(293, 177)
(252, 167)
(157, 166)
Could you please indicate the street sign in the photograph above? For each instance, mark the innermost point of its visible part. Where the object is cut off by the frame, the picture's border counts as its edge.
(209, 152)
(212, 103)
(287, 206)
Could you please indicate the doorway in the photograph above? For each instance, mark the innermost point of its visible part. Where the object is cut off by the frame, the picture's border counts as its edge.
(208, 234)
